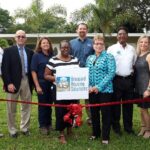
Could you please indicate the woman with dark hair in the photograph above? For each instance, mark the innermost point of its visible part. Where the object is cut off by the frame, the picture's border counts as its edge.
(43, 87)
(63, 59)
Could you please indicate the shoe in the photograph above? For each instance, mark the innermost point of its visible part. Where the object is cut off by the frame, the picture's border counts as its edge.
(89, 121)
(118, 132)
(50, 128)
(92, 138)
(105, 142)
(15, 135)
(26, 133)
(130, 132)
(62, 139)
(142, 131)
(44, 131)
(146, 134)
(1, 135)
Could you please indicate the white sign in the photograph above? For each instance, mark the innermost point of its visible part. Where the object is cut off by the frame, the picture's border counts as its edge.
(72, 83)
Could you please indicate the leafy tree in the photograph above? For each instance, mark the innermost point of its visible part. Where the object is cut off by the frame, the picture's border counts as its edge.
(5, 20)
(99, 16)
(106, 15)
(39, 21)
(3, 43)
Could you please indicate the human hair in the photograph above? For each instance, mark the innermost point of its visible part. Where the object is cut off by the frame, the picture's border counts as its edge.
(82, 23)
(123, 28)
(38, 45)
(138, 43)
(98, 37)
(64, 41)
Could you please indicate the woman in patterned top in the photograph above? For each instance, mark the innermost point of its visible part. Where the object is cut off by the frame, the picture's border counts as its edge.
(102, 69)
(63, 59)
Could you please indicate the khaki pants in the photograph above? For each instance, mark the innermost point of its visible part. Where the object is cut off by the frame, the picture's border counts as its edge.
(25, 95)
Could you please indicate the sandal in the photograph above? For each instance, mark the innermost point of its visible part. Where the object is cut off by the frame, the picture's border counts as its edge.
(62, 139)
(142, 131)
(146, 134)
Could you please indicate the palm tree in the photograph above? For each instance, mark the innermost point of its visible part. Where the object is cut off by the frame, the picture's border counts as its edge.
(36, 18)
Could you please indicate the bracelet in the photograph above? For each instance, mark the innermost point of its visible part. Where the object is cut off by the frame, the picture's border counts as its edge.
(148, 88)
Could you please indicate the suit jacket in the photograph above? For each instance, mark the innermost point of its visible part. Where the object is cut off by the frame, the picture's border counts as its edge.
(12, 68)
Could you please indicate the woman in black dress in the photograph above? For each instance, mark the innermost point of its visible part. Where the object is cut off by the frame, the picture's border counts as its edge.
(142, 71)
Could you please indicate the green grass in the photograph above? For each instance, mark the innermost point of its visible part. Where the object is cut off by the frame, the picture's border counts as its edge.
(77, 142)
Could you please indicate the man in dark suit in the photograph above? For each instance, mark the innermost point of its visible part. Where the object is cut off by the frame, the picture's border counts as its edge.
(17, 80)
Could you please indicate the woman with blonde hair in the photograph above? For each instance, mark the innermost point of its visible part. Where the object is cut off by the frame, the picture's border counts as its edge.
(142, 82)
(102, 69)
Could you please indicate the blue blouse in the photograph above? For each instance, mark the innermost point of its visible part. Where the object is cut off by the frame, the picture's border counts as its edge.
(38, 64)
(101, 71)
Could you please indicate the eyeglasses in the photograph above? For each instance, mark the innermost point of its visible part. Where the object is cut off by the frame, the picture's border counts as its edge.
(99, 44)
(19, 37)
(65, 47)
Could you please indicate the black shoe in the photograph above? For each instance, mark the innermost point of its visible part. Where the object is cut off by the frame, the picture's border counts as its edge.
(26, 133)
(130, 132)
(118, 132)
(15, 135)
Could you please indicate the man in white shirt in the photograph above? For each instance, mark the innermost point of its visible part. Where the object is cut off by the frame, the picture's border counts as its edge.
(1, 55)
(125, 57)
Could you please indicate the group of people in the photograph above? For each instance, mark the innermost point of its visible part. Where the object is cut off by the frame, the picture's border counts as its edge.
(115, 74)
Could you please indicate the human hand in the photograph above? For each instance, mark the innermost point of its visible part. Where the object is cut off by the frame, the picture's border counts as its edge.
(39, 90)
(11, 88)
(146, 94)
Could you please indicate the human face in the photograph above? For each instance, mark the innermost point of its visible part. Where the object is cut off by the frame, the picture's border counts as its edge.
(82, 31)
(144, 44)
(45, 46)
(64, 49)
(122, 37)
(20, 38)
(98, 46)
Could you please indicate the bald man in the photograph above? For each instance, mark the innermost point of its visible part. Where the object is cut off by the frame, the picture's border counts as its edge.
(17, 80)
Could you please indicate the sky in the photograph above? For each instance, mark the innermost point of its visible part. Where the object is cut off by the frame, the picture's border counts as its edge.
(71, 5)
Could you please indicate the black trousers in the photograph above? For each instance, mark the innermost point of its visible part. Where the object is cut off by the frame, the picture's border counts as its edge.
(105, 112)
(45, 112)
(61, 111)
(123, 90)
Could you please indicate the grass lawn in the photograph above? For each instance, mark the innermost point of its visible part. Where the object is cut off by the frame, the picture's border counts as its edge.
(79, 141)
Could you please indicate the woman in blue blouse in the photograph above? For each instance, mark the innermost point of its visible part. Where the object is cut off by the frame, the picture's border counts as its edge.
(101, 72)
(42, 86)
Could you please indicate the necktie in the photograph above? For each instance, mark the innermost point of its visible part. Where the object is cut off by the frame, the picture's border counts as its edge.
(22, 62)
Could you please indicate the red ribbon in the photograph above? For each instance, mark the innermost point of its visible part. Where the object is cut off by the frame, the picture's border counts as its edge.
(74, 115)
(87, 105)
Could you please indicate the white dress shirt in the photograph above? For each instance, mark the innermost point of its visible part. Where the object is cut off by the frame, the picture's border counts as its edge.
(1, 56)
(125, 58)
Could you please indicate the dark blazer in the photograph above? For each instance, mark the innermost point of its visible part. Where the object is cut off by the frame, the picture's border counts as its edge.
(12, 69)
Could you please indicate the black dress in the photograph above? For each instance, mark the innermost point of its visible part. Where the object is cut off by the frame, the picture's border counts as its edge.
(142, 73)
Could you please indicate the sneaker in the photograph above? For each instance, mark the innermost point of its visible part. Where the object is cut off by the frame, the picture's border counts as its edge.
(105, 142)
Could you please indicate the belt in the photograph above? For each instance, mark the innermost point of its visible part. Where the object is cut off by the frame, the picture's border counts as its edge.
(124, 77)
